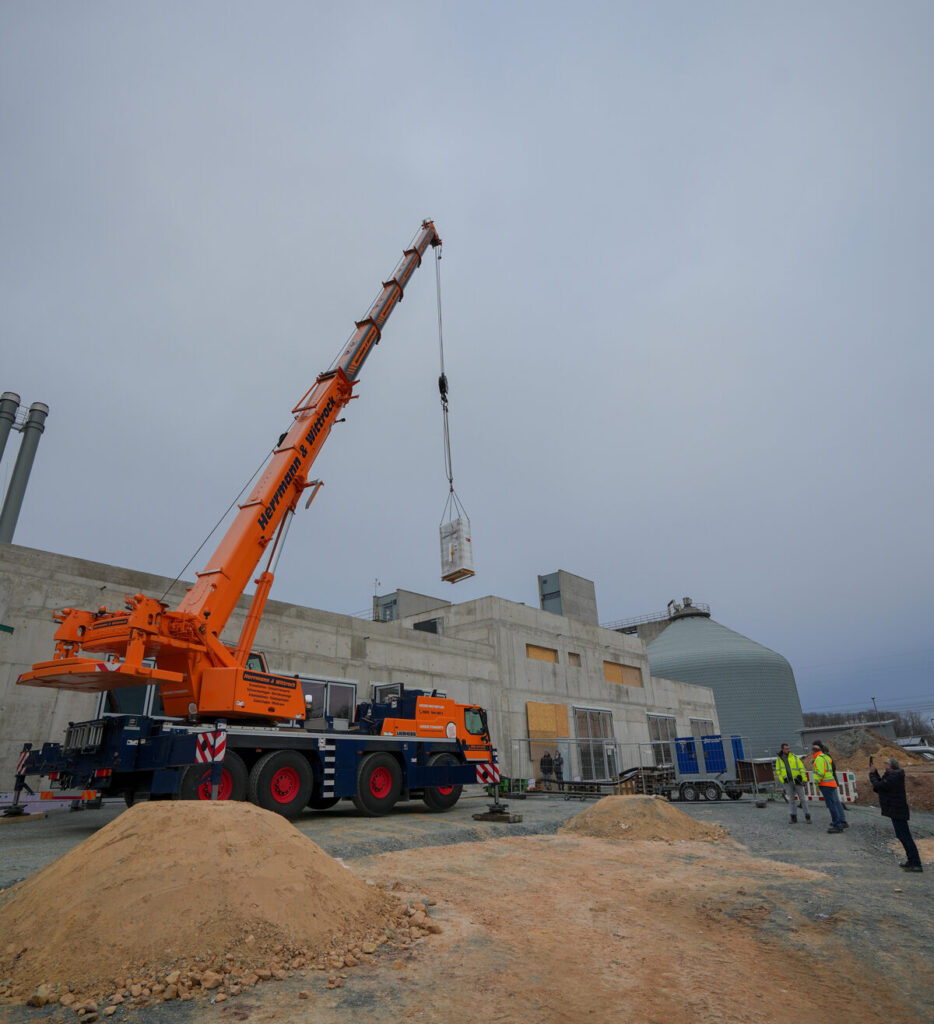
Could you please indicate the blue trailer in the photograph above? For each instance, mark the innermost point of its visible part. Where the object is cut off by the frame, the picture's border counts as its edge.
(705, 767)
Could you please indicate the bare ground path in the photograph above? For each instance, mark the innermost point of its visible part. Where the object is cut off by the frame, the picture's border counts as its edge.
(557, 928)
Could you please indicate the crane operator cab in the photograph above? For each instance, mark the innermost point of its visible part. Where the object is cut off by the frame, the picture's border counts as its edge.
(427, 716)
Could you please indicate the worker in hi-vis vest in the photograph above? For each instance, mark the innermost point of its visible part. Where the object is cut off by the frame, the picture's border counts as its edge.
(791, 773)
(823, 775)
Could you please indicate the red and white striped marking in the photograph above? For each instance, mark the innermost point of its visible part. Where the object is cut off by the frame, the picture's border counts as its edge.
(108, 666)
(487, 774)
(20, 764)
(211, 747)
(846, 788)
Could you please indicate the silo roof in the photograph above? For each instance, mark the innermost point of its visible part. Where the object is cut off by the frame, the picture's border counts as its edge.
(754, 686)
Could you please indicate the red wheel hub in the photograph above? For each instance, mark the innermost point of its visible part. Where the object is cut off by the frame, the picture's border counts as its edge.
(381, 783)
(445, 790)
(223, 790)
(284, 785)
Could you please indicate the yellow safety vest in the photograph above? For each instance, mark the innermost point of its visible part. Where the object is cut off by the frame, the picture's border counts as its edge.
(796, 765)
(823, 771)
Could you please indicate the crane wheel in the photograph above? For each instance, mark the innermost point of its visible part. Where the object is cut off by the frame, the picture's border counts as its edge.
(196, 780)
(379, 784)
(442, 798)
(282, 781)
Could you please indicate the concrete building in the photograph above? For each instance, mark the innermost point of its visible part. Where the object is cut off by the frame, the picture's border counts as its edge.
(548, 681)
(755, 688)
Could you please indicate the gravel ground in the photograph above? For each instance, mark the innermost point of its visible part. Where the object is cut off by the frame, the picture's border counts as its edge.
(883, 912)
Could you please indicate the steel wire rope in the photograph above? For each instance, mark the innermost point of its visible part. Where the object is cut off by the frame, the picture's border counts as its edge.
(453, 502)
(214, 528)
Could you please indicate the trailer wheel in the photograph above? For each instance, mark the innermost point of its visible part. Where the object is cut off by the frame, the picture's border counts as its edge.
(712, 791)
(441, 798)
(196, 780)
(689, 791)
(379, 783)
(281, 781)
(734, 794)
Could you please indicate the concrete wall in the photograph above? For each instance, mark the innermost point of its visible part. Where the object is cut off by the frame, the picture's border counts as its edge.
(480, 657)
(410, 603)
(577, 596)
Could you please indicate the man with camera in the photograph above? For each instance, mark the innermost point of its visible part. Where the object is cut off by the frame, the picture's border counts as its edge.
(890, 788)
(790, 772)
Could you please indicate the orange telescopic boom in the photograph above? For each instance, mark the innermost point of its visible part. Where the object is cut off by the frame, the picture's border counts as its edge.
(197, 673)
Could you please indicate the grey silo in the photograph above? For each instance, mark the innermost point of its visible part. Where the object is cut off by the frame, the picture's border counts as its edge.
(754, 687)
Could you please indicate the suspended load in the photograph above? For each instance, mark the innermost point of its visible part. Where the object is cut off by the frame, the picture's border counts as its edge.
(456, 550)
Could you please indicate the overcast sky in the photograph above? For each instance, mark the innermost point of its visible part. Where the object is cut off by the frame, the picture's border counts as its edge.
(686, 283)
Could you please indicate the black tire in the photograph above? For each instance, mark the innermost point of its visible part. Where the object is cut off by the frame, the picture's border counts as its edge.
(379, 783)
(734, 794)
(281, 781)
(712, 791)
(196, 780)
(689, 792)
(323, 803)
(442, 798)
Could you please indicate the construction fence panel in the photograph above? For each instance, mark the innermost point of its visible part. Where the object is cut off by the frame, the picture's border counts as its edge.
(594, 765)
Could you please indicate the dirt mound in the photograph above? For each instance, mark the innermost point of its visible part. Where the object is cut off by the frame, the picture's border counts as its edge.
(641, 817)
(855, 745)
(851, 751)
(178, 889)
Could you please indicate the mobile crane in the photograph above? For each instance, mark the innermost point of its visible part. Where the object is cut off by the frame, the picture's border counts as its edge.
(221, 704)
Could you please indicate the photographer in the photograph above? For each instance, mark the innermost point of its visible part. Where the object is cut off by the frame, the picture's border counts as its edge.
(790, 772)
(894, 804)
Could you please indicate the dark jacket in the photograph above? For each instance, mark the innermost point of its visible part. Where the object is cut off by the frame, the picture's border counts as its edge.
(546, 764)
(891, 790)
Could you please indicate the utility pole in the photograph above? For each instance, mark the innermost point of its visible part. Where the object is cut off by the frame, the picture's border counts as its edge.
(874, 708)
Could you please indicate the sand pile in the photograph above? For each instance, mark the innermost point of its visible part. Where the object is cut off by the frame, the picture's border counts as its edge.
(641, 817)
(851, 750)
(171, 891)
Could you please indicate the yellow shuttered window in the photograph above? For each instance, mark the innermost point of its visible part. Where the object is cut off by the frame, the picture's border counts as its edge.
(623, 675)
(537, 653)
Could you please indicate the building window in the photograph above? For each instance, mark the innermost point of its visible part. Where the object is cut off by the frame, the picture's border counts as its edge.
(596, 744)
(428, 625)
(701, 727)
(537, 653)
(574, 659)
(623, 675)
(662, 733)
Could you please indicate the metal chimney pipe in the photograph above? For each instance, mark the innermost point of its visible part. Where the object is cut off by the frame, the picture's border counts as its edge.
(32, 431)
(9, 403)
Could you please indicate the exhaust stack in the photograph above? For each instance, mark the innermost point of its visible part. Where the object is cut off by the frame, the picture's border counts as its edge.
(32, 430)
(9, 403)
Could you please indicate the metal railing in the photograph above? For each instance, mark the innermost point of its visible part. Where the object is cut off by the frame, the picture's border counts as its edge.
(641, 620)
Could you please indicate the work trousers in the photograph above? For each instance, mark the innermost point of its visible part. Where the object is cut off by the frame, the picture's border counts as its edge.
(903, 833)
(791, 789)
(832, 799)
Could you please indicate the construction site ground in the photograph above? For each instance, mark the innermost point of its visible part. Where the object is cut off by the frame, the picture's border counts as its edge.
(773, 922)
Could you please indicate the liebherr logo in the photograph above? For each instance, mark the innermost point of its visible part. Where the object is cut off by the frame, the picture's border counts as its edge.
(313, 431)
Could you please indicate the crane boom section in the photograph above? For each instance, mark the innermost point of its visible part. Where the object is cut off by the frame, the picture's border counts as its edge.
(278, 490)
(196, 671)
